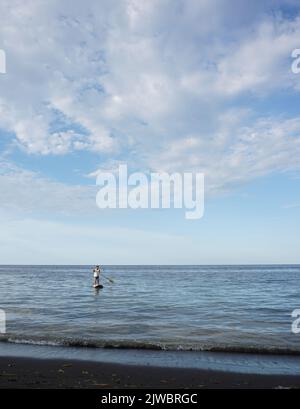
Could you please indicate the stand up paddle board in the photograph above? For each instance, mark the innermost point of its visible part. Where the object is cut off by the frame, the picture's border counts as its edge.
(98, 286)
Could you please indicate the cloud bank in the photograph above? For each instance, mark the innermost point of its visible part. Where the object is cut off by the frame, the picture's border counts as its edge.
(161, 84)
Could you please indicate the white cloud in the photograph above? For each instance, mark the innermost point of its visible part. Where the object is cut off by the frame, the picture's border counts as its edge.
(63, 243)
(27, 193)
(133, 78)
(258, 64)
(291, 206)
(235, 154)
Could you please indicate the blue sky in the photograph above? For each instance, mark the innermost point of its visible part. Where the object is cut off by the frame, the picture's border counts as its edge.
(162, 85)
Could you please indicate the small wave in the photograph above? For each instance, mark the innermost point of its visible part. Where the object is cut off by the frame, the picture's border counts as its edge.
(139, 345)
(29, 341)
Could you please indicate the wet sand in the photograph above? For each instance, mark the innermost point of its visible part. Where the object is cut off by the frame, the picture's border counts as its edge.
(30, 373)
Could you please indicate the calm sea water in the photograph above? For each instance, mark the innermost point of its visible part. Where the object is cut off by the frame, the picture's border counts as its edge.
(227, 308)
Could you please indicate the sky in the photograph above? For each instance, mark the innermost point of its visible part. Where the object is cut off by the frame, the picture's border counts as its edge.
(160, 85)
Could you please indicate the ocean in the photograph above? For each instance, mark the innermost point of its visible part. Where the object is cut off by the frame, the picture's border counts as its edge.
(170, 308)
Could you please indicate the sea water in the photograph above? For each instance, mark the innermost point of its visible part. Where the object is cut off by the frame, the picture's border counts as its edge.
(199, 308)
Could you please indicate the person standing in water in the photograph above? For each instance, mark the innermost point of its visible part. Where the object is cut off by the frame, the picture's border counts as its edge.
(96, 271)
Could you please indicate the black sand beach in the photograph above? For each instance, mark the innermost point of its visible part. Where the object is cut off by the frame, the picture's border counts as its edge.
(28, 373)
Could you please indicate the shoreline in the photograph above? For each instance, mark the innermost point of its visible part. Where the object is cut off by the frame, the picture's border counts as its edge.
(228, 362)
(35, 373)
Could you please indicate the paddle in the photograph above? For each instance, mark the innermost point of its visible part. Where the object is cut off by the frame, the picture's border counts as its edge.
(109, 279)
